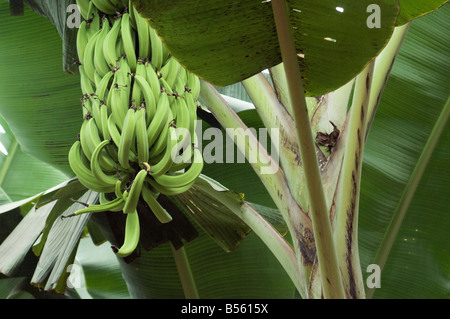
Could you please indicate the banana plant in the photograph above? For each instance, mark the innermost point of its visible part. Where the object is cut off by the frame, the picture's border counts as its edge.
(313, 211)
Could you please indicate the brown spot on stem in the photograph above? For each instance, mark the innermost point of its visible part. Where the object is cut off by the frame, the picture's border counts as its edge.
(359, 139)
(306, 244)
(349, 236)
(362, 114)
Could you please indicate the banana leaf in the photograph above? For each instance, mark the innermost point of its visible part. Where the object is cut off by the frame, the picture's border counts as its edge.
(415, 95)
(410, 10)
(21, 174)
(39, 102)
(333, 42)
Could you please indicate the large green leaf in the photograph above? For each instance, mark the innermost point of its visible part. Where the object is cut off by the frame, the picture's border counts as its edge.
(65, 18)
(102, 275)
(227, 41)
(418, 264)
(38, 100)
(22, 175)
(410, 10)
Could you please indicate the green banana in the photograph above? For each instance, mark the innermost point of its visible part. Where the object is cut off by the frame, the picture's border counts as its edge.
(82, 40)
(193, 87)
(160, 144)
(85, 136)
(166, 161)
(85, 82)
(141, 136)
(150, 198)
(93, 23)
(105, 6)
(88, 59)
(137, 96)
(109, 44)
(77, 162)
(170, 71)
(97, 78)
(104, 121)
(115, 136)
(111, 149)
(90, 138)
(165, 86)
(182, 179)
(150, 101)
(132, 15)
(192, 107)
(183, 126)
(120, 5)
(180, 85)
(83, 7)
(95, 105)
(118, 190)
(157, 49)
(86, 106)
(120, 94)
(114, 205)
(128, 42)
(99, 58)
(153, 80)
(160, 119)
(132, 234)
(126, 138)
(135, 192)
(168, 191)
(102, 87)
(96, 169)
(91, 12)
(113, 130)
(143, 36)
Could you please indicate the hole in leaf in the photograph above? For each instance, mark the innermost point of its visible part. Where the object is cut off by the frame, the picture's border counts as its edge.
(329, 39)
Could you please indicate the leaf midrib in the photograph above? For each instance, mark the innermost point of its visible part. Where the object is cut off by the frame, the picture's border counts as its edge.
(5, 167)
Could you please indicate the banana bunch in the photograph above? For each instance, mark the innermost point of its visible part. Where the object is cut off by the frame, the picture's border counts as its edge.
(137, 139)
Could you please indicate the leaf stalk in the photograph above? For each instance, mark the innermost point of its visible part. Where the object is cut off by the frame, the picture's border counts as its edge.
(330, 275)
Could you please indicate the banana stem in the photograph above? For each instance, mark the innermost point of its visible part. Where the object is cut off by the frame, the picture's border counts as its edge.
(275, 183)
(383, 66)
(331, 278)
(345, 225)
(246, 142)
(409, 191)
(274, 115)
(185, 273)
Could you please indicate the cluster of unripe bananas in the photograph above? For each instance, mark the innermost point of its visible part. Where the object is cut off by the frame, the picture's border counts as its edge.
(137, 139)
